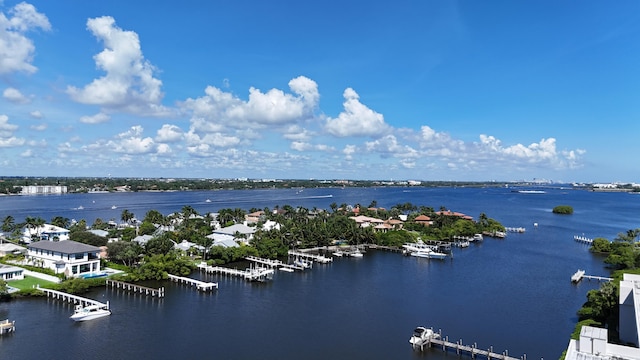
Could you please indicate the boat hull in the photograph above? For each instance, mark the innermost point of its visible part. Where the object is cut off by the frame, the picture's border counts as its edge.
(92, 316)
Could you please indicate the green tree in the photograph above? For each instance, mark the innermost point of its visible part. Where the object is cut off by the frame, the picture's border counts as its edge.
(8, 224)
(124, 252)
(600, 245)
(126, 216)
(60, 221)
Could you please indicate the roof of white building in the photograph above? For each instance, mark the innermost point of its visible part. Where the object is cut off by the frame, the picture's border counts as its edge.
(9, 269)
(65, 247)
(237, 228)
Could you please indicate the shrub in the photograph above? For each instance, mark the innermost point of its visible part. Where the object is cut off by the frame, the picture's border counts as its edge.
(563, 209)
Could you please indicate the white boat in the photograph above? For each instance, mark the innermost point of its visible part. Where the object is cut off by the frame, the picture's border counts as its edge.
(429, 254)
(356, 253)
(113, 207)
(532, 191)
(208, 201)
(285, 269)
(338, 253)
(417, 247)
(84, 313)
(422, 336)
(478, 237)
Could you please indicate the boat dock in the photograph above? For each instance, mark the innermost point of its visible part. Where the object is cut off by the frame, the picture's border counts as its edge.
(251, 274)
(71, 298)
(7, 326)
(274, 263)
(200, 285)
(582, 239)
(317, 258)
(159, 292)
(471, 350)
(515, 229)
(579, 275)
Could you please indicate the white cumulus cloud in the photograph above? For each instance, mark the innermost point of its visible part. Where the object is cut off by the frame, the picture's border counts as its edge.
(16, 50)
(129, 84)
(356, 119)
(169, 134)
(98, 118)
(15, 96)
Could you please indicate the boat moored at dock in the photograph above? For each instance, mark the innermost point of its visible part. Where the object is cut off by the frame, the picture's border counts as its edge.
(422, 336)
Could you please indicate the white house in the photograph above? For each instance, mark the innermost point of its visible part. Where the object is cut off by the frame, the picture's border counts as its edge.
(68, 257)
(45, 232)
(8, 273)
(230, 232)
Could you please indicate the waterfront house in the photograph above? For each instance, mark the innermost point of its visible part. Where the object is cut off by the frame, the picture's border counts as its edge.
(8, 272)
(423, 220)
(366, 221)
(237, 232)
(44, 232)
(188, 246)
(71, 258)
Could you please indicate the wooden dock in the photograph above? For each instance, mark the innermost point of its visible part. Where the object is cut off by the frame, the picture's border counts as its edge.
(251, 274)
(55, 294)
(159, 292)
(200, 285)
(273, 263)
(7, 326)
(579, 275)
(317, 258)
(470, 350)
(582, 239)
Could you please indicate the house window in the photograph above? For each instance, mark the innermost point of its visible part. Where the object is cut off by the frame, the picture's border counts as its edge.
(74, 269)
(79, 256)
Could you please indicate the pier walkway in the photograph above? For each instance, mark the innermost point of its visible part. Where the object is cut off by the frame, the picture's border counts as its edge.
(200, 285)
(71, 298)
(317, 258)
(251, 274)
(515, 229)
(470, 350)
(159, 292)
(579, 275)
(273, 263)
(582, 239)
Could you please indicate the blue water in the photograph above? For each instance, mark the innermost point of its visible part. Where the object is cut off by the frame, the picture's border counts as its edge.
(513, 294)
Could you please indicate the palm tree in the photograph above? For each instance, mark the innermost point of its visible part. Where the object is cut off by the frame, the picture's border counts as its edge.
(8, 224)
(127, 216)
(60, 221)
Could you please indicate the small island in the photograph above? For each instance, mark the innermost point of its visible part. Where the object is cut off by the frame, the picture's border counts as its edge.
(563, 209)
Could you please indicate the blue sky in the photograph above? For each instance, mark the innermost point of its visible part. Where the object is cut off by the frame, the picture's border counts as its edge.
(418, 90)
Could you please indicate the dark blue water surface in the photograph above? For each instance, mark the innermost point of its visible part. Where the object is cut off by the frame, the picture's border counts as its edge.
(513, 294)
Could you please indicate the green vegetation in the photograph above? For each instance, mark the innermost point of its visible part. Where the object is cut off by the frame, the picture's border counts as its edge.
(601, 307)
(13, 185)
(29, 282)
(563, 209)
(297, 228)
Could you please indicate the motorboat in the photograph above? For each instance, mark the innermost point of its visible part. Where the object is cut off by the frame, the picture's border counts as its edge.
(338, 253)
(419, 246)
(90, 312)
(422, 336)
(429, 254)
(478, 237)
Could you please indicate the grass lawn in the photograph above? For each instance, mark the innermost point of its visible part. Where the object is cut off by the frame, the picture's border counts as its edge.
(29, 282)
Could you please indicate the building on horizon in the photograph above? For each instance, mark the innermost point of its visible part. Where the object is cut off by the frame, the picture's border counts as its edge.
(43, 189)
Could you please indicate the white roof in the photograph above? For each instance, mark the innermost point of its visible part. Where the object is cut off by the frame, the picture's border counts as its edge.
(237, 228)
